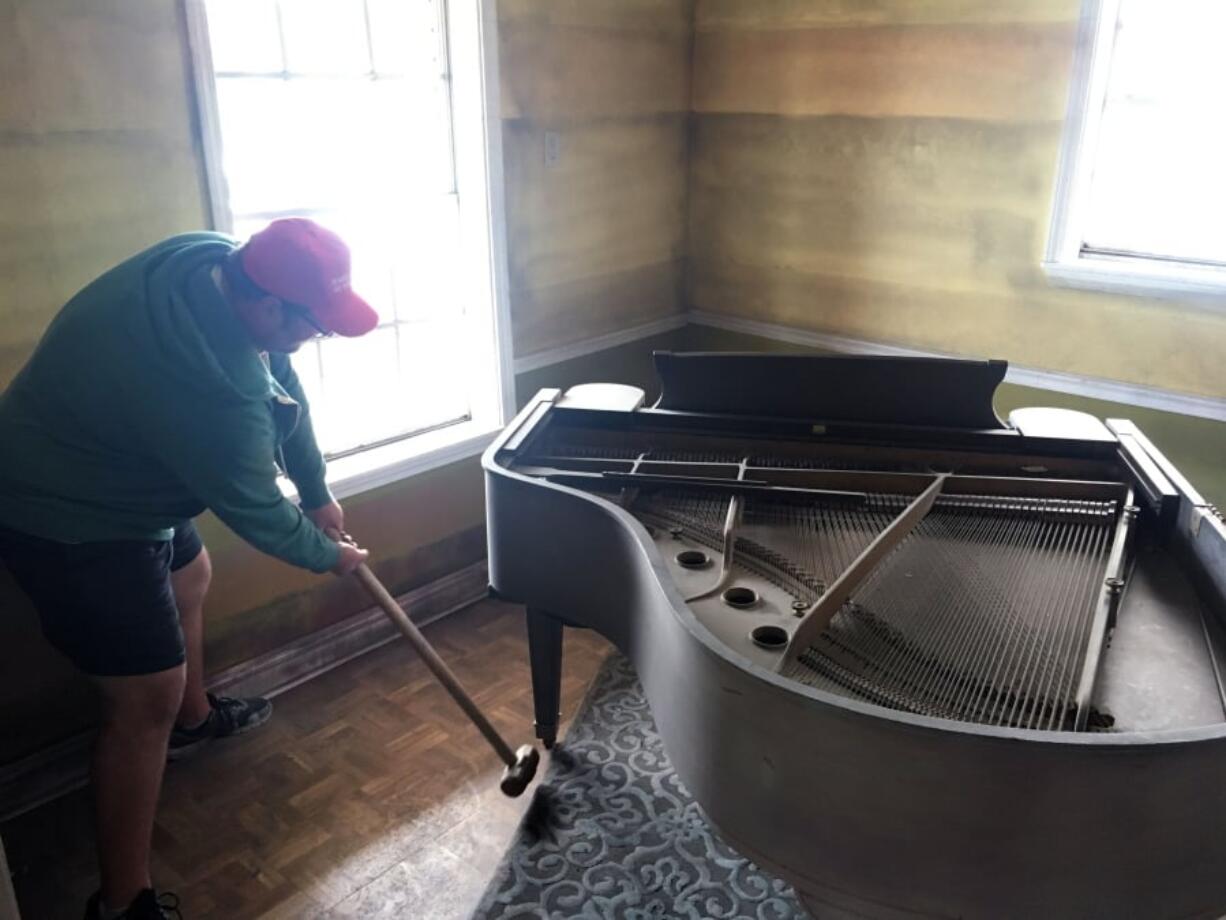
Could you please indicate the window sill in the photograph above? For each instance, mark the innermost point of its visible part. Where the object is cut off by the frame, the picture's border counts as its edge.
(1141, 278)
(381, 466)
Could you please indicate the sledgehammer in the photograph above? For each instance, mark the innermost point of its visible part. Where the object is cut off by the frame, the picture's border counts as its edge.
(520, 764)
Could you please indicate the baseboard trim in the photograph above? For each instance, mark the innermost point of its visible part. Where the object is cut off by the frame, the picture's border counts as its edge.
(551, 356)
(1075, 384)
(63, 767)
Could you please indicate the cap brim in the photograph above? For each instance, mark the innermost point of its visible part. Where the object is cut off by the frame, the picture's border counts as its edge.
(350, 315)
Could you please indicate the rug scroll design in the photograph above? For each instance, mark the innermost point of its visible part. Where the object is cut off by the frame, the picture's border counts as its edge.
(613, 833)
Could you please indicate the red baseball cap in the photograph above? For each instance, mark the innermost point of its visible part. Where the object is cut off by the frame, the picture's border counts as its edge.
(297, 260)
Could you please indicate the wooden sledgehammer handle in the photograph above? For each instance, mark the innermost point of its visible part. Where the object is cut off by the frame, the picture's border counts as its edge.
(434, 662)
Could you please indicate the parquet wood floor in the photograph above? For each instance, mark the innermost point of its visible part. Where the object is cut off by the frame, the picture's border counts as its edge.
(367, 795)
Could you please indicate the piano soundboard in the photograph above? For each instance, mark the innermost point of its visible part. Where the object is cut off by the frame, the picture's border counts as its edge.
(861, 561)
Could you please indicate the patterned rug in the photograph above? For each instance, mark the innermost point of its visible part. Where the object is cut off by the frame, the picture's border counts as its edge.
(612, 832)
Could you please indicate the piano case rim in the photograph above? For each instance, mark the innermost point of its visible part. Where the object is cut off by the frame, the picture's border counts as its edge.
(1196, 751)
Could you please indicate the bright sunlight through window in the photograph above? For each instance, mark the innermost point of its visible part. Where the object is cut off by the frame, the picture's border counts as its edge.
(1142, 199)
(341, 110)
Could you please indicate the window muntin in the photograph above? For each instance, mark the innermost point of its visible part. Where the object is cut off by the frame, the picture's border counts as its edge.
(1140, 194)
(340, 110)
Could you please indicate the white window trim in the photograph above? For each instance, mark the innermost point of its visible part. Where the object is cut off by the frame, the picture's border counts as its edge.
(1064, 262)
(472, 34)
(392, 463)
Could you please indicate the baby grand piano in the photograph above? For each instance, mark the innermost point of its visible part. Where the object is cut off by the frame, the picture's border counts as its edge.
(918, 661)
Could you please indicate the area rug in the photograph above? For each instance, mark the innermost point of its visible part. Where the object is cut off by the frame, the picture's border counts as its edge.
(613, 833)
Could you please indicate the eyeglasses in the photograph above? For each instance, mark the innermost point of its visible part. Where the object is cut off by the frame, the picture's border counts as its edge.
(305, 315)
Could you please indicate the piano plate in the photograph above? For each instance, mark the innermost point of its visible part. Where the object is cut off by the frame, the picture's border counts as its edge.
(916, 660)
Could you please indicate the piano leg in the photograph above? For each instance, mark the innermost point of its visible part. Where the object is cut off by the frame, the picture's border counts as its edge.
(545, 653)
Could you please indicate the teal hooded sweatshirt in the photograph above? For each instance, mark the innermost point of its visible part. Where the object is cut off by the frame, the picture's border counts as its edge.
(146, 402)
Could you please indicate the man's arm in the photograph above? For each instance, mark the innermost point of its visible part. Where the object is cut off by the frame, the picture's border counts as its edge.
(304, 463)
(224, 455)
(303, 459)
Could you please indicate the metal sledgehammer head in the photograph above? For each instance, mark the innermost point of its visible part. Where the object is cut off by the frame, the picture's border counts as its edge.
(517, 776)
(520, 766)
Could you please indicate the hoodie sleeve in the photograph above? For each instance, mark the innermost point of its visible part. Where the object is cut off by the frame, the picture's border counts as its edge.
(224, 453)
(304, 464)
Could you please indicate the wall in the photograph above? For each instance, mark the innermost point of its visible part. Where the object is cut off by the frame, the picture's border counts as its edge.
(879, 170)
(596, 240)
(1196, 446)
(418, 531)
(97, 160)
(99, 157)
(884, 170)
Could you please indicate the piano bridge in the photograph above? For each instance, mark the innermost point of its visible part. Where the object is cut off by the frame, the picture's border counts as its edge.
(880, 628)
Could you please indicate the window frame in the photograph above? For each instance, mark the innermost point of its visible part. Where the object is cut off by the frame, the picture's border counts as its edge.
(476, 126)
(1066, 261)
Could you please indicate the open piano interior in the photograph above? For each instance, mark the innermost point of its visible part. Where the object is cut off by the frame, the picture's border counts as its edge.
(1045, 585)
(916, 659)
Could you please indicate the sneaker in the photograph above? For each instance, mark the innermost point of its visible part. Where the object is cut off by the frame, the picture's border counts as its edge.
(228, 716)
(148, 905)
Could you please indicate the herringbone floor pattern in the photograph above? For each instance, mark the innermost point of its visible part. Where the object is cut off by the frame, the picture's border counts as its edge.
(367, 795)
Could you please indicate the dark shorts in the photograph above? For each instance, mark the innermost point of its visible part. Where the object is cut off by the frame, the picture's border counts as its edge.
(107, 605)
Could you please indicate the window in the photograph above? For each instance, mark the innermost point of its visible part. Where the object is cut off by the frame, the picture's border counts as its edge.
(1140, 199)
(369, 117)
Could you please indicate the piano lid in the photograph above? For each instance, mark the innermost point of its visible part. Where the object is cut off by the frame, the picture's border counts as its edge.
(926, 392)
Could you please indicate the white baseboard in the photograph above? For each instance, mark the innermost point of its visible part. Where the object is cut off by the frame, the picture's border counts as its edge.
(1130, 394)
(549, 356)
(322, 651)
(1078, 385)
(63, 767)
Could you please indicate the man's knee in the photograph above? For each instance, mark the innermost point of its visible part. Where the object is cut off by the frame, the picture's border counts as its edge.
(142, 703)
(191, 582)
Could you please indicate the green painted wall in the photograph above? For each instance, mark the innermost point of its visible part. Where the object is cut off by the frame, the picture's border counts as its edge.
(596, 239)
(1196, 446)
(100, 156)
(97, 155)
(97, 160)
(666, 110)
(417, 531)
(884, 170)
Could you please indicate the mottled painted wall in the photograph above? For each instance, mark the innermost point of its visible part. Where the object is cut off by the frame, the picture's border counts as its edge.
(1196, 446)
(99, 157)
(97, 160)
(884, 170)
(418, 531)
(595, 241)
(880, 169)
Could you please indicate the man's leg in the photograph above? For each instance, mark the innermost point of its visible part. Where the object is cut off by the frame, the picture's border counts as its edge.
(108, 607)
(129, 756)
(202, 717)
(190, 585)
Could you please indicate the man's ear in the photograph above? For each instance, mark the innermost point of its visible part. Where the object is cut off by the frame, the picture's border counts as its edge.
(265, 314)
(268, 308)
(262, 316)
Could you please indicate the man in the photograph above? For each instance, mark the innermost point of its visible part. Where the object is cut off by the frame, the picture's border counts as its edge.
(160, 390)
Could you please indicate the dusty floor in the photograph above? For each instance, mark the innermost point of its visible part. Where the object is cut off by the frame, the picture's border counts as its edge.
(367, 795)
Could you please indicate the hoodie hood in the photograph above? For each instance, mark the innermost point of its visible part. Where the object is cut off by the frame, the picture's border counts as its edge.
(197, 339)
(145, 402)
